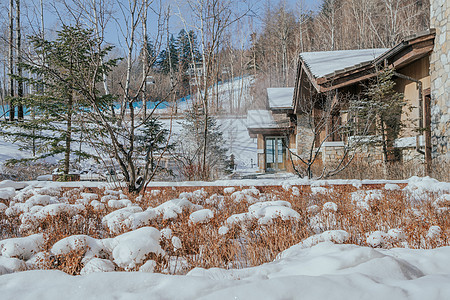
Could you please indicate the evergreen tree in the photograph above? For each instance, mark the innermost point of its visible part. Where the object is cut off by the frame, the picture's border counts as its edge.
(191, 144)
(168, 58)
(382, 107)
(151, 142)
(188, 49)
(151, 54)
(188, 55)
(71, 63)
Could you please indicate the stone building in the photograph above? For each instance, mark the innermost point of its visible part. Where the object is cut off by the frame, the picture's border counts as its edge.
(440, 77)
(296, 126)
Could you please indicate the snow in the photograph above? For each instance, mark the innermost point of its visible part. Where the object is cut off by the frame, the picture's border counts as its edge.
(280, 97)
(265, 212)
(166, 233)
(223, 230)
(330, 207)
(148, 267)
(321, 271)
(7, 193)
(434, 232)
(12, 184)
(377, 238)
(396, 234)
(11, 264)
(201, 216)
(172, 208)
(229, 190)
(409, 142)
(421, 184)
(133, 247)
(260, 118)
(97, 265)
(321, 266)
(88, 245)
(176, 243)
(114, 220)
(391, 187)
(23, 247)
(327, 62)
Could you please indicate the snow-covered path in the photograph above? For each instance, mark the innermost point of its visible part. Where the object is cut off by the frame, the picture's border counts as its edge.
(325, 271)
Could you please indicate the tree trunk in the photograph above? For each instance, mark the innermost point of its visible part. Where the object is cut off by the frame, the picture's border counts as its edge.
(68, 135)
(19, 60)
(11, 60)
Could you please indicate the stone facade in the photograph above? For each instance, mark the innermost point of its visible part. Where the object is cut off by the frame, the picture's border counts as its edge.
(440, 77)
(332, 152)
(304, 136)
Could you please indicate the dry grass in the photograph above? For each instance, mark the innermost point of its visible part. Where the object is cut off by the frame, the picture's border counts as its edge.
(249, 243)
(361, 168)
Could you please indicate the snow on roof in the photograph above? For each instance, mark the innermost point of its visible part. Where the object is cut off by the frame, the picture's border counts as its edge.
(260, 119)
(327, 62)
(409, 142)
(280, 97)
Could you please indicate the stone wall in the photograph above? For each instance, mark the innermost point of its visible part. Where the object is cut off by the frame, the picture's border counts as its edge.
(332, 152)
(440, 77)
(305, 136)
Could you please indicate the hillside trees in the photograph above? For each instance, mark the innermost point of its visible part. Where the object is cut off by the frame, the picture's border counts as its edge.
(334, 25)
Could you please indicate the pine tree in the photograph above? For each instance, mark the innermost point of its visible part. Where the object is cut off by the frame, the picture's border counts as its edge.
(188, 49)
(71, 63)
(168, 58)
(151, 142)
(191, 145)
(382, 107)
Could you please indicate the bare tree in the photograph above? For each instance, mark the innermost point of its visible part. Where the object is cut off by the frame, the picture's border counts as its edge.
(11, 59)
(210, 18)
(19, 61)
(320, 121)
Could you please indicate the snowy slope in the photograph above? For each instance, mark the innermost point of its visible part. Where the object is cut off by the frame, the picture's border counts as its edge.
(234, 130)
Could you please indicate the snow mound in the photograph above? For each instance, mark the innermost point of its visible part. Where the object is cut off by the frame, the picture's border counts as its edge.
(172, 208)
(377, 238)
(330, 207)
(89, 246)
(417, 186)
(13, 184)
(114, 220)
(334, 236)
(265, 212)
(7, 193)
(229, 190)
(23, 248)
(97, 265)
(11, 265)
(132, 248)
(201, 216)
(391, 187)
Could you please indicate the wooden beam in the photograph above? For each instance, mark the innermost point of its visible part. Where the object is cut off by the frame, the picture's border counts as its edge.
(411, 56)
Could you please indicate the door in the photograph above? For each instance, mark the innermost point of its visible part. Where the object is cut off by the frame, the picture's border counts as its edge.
(275, 154)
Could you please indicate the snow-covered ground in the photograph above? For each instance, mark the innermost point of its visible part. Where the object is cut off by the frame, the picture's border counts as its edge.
(322, 266)
(234, 129)
(232, 96)
(324, 271)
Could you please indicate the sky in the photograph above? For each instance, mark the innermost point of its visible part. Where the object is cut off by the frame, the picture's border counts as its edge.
(54, 12)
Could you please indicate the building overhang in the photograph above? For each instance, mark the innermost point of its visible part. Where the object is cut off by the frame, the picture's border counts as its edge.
(409, 50)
